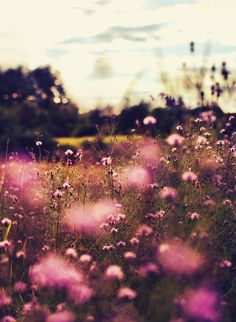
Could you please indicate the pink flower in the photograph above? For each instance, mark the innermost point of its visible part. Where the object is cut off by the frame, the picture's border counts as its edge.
(63, 316)
(20, 287)
(201, 304)
(144, 230)
(69, 152)
(106, 161)
(38, 143)
(208, 116)
(135, 177)
(168, 193)
(149, 154)
(126, 293)
(107, 248)
(5, 300)
(66, 185)
(189, 176)
(177, 257)
(201, 140)
(53, 271)
(134, 241)
(88, 218)
(6, 221)
(80, 293)
(8, 318)
(226, 263)
(85, 258)
(71, 252)
(79, 154)
(193, 215)
(175, 139)
(148, 268)
(130, 255)
(114, 272)
(149, 120)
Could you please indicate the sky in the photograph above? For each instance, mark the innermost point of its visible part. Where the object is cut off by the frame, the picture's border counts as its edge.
(107, 50)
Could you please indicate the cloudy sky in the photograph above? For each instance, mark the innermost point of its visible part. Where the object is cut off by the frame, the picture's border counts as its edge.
(109, 49)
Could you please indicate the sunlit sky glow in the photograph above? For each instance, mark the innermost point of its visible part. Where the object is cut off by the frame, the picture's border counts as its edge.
(105, 49)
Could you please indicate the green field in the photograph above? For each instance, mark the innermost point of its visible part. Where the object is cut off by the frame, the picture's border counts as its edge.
(78, 141)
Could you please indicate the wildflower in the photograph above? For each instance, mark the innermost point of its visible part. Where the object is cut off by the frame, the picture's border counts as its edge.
(80, 293)
(88, 218)
(149, 120)
(114, 272)
(201, 304)
(121, 244)
(149, 154)
(160, 214)
(8, 318)
(71, 252)
(208, 167)
(144, 230)
(69, 152)
(20, 254)
(189, 176)
(108, 247)
(201, 140)
(106, 161)
(114, 230)
(135, 177)
(179, 258)
(28, 308)
(134, 241)
(5, 244)
(6, 221)
(121, 217)
(193, 215)
(20, 287)
(225, 263)
(39, 143)
(175, 139)
(66, 185)
(5, 300)
(209, 202)
(227, 202)
(208, 117)
(179, 128)
(130, 255)
(148, 268)
(85, 258)
(168, 193)
(58, 193)
(52, 271)
(63, 316)
(126, 293)
(79, 154)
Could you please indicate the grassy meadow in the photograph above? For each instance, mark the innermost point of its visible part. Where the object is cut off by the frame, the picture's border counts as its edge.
(142, 231)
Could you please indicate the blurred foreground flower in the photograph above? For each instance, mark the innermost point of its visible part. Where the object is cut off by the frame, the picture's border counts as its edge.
(135, 177)
(168, 193)
(201, 304)
(88, 218)
(63, 316)
(189, 176)
(175, 139)
(54, 272)
(149, 154)
(178, 258)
